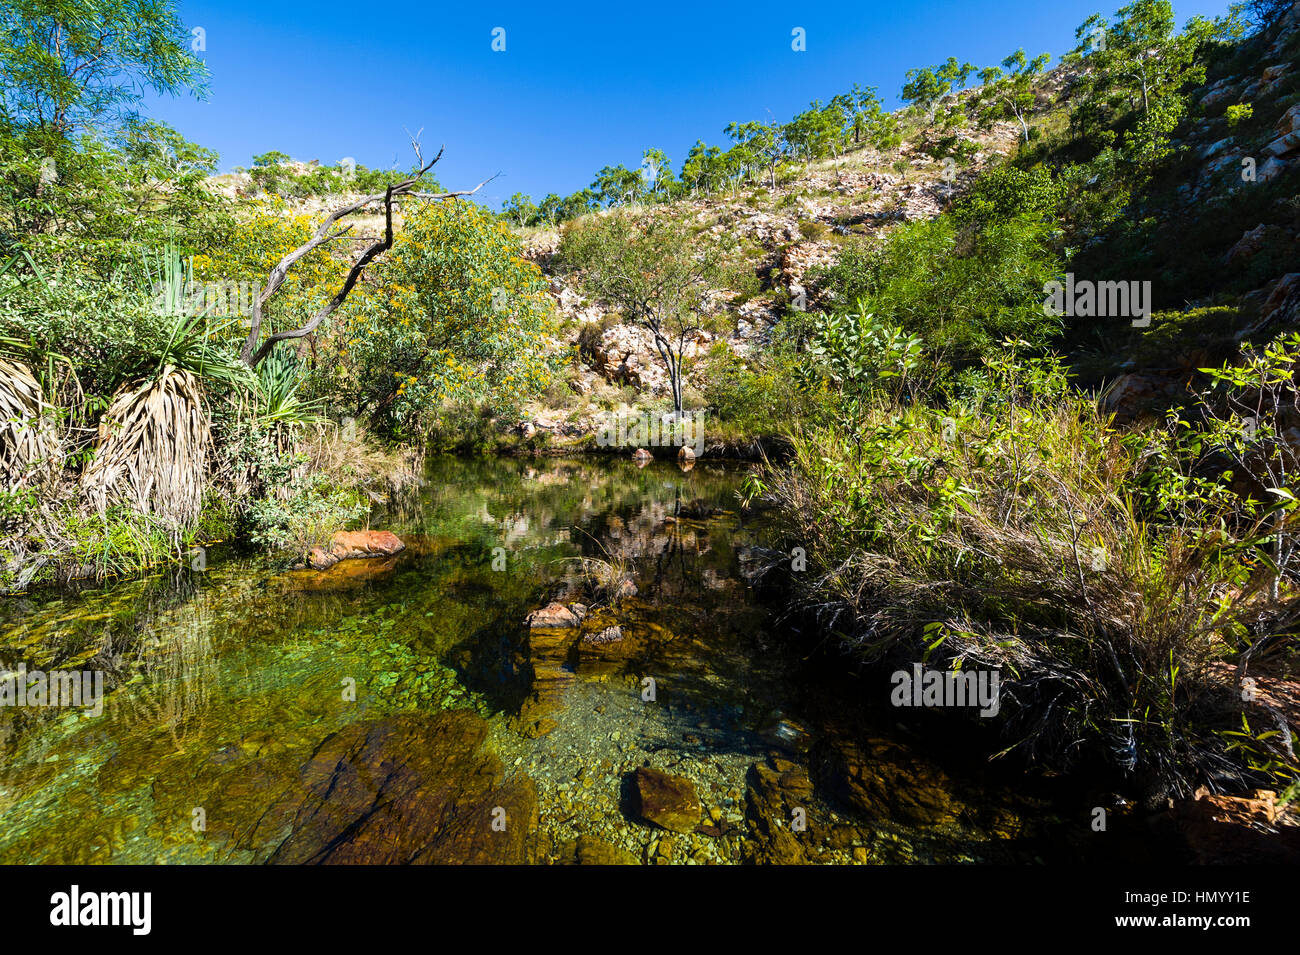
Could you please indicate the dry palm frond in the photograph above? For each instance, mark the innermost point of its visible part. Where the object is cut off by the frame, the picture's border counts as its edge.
(152, 452)
(29, 443)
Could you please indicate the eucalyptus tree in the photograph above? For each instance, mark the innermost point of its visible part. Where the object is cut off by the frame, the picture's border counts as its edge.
(928, 87)
(1011, 93)
(767, 142)
(617, 185)
(1139, 62)
(650, 270)
(519, 209)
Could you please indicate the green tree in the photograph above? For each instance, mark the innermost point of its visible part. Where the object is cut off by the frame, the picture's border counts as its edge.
(1139, 63)
(272, 158)
(765, 142)
(865, 110)
(71, 66)
(817, 132)
(650, 271)
(578, 204)
(703, 169)
(79, 165)
(549, 209)
(617, 186)
(1011, 93)
(519, 209)
(927, 87)
(656, 174)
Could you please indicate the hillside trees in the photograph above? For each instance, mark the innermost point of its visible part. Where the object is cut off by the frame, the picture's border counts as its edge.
(766, 142)
(617, 185)
(519, 209)
(1139, 63)
(1011, 93)
(656, 174)
(928, 87)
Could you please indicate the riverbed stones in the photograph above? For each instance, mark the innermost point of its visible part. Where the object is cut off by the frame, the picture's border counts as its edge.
(668, 801)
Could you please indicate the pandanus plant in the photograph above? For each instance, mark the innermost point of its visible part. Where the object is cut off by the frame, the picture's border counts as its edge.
(155, 438)
(30, 445)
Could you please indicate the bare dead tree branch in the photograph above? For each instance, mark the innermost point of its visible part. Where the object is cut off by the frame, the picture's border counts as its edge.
(251, 353)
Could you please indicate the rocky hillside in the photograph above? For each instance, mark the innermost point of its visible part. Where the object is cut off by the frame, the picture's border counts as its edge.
(780, 236)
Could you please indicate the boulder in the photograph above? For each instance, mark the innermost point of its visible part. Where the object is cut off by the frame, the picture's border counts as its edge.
(685, 454)
(1220, 94)
(1290, 121)
(667, 801)
(608, 635)
(1272, 168)
(588, 850)
(1215, 148)
(1283, 144)
(554, 614)
(642, 456)
(1272, 75)
(1249, 244)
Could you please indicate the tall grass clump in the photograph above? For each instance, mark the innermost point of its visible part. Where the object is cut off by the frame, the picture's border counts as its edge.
(1013, 528)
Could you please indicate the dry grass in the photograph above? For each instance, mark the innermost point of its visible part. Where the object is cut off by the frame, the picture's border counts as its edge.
(1011, 539)
(30, 449)
(152, 452)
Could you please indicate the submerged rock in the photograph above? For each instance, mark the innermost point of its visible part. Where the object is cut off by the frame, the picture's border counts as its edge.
(774, 792)
(411, 789)
(588, 850)
(351, 545)
(667, 801)
(887, 780)
(608, 635)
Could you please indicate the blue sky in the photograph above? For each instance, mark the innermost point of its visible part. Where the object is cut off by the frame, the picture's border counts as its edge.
(578, 86)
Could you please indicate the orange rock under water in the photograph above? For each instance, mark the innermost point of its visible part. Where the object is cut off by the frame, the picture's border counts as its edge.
(352, 545)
